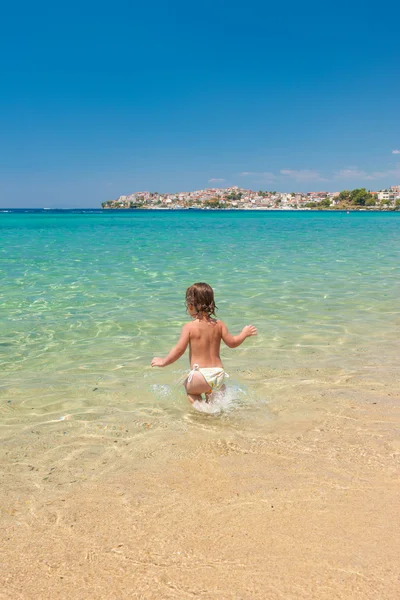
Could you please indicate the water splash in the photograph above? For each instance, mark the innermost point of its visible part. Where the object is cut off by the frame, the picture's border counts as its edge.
(221, 402)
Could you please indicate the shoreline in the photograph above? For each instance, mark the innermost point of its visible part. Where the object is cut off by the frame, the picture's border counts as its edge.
(299, 511)
(257, 209)
(234, 197)
(6, 210)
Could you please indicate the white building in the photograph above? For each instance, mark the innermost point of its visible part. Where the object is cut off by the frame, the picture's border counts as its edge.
(387, 196)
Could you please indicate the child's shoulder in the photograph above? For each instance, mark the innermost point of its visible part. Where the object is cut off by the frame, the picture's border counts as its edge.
(196, 324)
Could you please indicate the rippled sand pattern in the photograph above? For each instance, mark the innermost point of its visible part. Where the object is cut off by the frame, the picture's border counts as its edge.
(113, 487)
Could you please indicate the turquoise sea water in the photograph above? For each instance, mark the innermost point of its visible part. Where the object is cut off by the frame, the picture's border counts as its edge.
(88, 298)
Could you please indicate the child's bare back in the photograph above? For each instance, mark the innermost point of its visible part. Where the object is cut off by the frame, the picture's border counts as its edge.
(203, 336)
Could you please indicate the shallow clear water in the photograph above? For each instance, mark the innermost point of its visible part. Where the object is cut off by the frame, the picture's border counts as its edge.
(88, 298)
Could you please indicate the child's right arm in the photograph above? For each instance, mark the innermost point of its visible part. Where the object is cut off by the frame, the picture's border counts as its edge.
(233, 341)
(176, 352)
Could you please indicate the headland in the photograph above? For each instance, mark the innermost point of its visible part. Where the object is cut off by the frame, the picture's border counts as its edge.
(244, 199)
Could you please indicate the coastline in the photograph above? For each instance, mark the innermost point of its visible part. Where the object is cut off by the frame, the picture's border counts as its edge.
(239, 198)
(8, 210)
(255, 209)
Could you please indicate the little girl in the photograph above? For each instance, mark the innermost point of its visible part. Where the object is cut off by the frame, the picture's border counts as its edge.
(203, 335)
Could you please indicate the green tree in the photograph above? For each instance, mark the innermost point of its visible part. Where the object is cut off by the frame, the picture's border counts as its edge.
(214, 203)
(325, 202)
(344, 196)
(359, 196)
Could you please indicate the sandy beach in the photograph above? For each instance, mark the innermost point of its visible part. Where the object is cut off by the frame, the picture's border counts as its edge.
(305, 508)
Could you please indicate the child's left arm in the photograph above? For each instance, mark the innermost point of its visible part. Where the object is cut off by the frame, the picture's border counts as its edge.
(176, 352)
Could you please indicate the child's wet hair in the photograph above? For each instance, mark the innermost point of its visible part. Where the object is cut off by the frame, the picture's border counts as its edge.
(201, 297)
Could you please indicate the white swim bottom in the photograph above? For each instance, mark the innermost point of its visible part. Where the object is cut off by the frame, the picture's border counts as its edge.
(214, 376)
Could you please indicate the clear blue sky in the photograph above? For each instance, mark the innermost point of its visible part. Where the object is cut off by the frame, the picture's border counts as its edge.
(101, 99)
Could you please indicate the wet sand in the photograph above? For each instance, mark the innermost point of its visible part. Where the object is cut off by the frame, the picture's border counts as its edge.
(305, 507)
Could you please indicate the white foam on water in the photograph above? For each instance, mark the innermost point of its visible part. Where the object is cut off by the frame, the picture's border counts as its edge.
(221, 401)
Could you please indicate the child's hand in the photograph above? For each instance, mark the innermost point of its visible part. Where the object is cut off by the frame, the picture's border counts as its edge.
(157, 362)
(249, 330)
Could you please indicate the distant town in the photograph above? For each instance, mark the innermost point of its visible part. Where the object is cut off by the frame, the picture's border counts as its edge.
(239, 198)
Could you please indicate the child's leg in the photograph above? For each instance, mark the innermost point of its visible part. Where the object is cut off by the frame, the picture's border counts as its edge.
(194, 397)
(210, 395)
